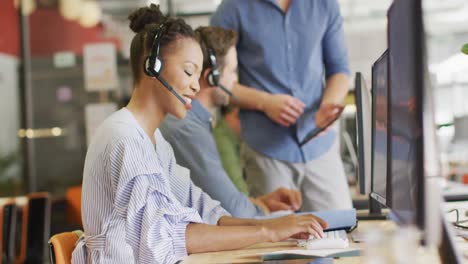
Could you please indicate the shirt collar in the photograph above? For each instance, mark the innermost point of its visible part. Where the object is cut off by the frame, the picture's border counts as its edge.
(202, 113)
(274, 2)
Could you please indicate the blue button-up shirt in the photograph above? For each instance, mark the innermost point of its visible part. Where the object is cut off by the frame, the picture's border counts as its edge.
(195, 148)
(286, 53)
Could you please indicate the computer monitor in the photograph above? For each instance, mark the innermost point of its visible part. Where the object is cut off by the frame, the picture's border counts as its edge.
(406, 72)
(380, 190)
(414, 162)
(363, 135)
(364, 139)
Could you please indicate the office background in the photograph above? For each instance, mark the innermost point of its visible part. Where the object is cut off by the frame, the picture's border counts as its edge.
(44, 92)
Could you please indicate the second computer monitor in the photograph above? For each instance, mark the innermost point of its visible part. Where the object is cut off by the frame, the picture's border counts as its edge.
(380, 120)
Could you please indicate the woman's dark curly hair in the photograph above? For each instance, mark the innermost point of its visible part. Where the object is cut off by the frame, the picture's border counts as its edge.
(145, 22)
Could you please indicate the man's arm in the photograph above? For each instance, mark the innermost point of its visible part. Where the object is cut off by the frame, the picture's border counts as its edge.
(195, 149)
(336, 66)
(283, 109)
(337, 88)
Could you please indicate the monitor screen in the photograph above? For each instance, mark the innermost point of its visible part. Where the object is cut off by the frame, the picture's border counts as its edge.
(380, 127)
(406, 49)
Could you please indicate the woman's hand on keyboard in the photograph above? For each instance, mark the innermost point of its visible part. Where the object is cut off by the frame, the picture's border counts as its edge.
(285, 227)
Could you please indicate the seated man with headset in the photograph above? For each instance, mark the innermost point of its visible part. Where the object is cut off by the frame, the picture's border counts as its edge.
(192, 139)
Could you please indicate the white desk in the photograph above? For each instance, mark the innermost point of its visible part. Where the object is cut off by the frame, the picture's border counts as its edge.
(253, 254)
(462, 208)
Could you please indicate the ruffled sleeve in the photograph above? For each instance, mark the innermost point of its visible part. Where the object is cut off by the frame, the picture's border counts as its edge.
(155, 221)
(210, 210)
(182, 187)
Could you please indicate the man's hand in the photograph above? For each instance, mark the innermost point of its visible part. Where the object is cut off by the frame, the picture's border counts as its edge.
(283, 109)
(261, 205)
(282, 199)
(327, 114)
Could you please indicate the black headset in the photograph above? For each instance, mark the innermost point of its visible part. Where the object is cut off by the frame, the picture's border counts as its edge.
(214, 74)
(154, 64)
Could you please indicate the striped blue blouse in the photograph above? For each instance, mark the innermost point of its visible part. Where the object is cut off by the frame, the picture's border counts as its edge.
(136, 201)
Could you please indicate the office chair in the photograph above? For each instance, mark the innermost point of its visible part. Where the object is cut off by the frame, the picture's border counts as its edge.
(61, 246)
(33, 227)
(7, 230)
(73, 197)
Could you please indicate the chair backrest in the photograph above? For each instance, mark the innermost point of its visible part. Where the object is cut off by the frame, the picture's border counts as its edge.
(33, 229)
(73, 197)
(7, 230)
(61, 246)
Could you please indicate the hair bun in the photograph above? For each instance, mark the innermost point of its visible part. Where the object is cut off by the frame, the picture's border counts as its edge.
(144, 16)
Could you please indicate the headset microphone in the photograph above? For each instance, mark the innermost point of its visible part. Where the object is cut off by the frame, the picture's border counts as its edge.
(228, 92)
(154, 65)
(188, 106)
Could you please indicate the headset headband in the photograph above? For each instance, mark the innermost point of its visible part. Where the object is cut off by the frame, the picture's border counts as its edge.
(154, 53)
(211, 56)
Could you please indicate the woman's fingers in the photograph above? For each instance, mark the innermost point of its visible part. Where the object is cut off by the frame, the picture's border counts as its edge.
(318, 228)
(313, 232)
(314, 223)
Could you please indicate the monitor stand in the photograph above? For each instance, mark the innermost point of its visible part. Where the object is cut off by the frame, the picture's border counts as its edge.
(375, 211)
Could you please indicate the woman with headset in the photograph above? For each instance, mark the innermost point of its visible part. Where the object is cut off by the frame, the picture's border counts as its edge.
(138, 205)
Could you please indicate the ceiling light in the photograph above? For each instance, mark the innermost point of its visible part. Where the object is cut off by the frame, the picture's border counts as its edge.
(27, 6)
(70, 9)
(90, 14)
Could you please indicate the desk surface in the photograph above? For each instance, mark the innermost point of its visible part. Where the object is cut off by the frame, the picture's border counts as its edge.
(253, 254)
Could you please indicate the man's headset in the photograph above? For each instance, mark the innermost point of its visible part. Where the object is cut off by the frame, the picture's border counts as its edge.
(214, 74)
(154, 65)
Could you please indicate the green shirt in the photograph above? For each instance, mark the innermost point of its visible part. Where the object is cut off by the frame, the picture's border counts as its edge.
(229, 150)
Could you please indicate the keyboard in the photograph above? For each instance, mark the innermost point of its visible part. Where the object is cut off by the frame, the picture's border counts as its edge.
(333, 240)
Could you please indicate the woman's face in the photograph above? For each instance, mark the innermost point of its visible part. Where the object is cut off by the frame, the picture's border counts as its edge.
(182, 68)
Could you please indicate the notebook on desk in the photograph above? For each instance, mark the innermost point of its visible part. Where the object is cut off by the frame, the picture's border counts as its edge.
(337, 219)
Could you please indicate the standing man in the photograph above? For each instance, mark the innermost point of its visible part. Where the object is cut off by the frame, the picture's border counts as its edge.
(293, 71)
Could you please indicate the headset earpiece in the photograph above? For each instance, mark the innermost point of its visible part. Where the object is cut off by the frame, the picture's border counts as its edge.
(213, 75)
(158, 65)
(146, 67)
(211, 81)
(153, 69)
